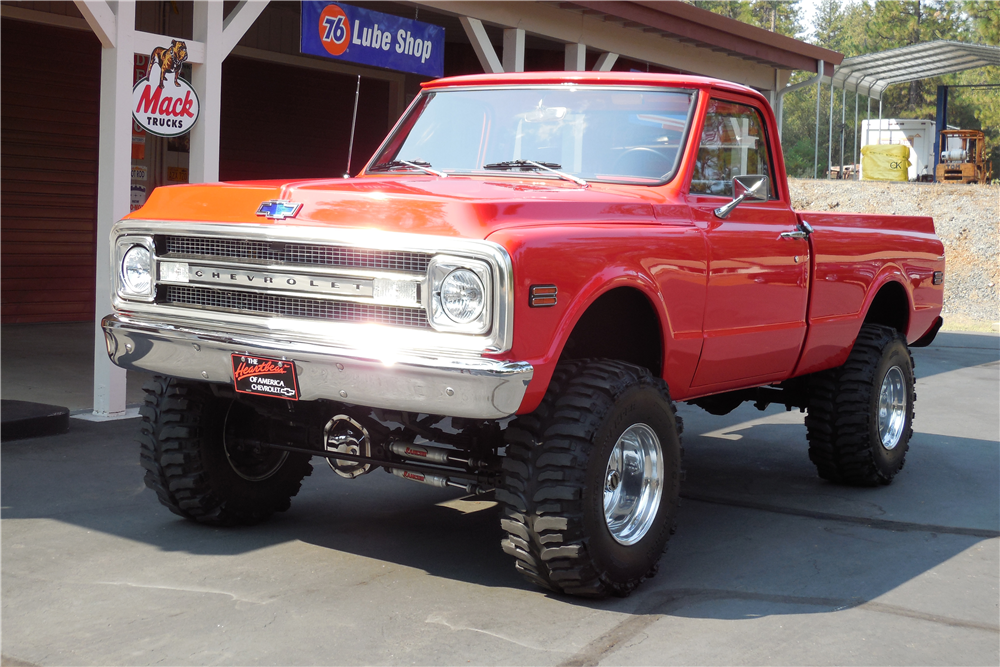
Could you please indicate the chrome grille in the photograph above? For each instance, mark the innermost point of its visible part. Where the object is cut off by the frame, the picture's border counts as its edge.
(287, 306)
(275, 252)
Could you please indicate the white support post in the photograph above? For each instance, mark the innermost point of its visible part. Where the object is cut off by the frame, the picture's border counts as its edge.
(513, 50)
(880, 123)
(476, 33)
(605, 62)
(829, 141)
(207, 80)
(576, 57)
(843, 126)
(819, 91)
(113, 183)
(855, 134)
(238, 22)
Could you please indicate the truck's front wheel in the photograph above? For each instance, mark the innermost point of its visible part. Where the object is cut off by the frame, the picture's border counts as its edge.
(860, 415)
(592, 480)
(203, 460)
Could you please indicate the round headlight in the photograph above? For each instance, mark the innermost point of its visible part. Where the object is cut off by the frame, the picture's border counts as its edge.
(463, 296)
(136, 273)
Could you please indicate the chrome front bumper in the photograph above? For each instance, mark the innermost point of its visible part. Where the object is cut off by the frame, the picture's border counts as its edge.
(471, 387)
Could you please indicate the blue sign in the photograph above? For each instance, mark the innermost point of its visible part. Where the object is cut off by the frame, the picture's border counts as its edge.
(343, 32)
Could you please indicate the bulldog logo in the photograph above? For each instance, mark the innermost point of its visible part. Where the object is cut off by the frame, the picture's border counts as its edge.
(168, 60)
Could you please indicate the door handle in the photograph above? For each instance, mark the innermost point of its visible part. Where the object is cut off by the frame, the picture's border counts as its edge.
(797, 234)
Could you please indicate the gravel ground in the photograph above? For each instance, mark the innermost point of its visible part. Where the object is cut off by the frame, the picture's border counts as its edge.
(966, 217)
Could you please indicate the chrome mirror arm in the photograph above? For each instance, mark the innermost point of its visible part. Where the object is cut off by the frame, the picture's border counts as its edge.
(723, 211)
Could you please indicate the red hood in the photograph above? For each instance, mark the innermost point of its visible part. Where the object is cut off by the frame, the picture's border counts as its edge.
(469, 207)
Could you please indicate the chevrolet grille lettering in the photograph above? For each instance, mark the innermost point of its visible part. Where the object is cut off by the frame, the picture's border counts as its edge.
(330, 285)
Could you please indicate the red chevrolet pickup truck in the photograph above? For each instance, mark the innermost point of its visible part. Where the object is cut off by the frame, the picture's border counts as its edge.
(509, 298)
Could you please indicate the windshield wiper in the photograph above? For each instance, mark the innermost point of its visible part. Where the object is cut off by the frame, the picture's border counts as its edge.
(416, 164)
(551, 167)
(529, 165)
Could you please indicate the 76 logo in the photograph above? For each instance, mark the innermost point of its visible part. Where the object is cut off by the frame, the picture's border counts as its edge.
(334, 29)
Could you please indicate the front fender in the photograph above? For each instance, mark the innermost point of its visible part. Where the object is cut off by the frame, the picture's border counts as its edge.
(586, 262)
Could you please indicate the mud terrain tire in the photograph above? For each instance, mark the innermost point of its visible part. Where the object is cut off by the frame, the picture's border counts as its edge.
(196, 473)
(558, 470)
(860, 416)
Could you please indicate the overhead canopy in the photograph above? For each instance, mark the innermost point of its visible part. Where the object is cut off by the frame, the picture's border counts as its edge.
(872, 73)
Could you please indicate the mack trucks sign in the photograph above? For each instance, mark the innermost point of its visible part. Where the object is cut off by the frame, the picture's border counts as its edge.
(163, 105)
(343, 32)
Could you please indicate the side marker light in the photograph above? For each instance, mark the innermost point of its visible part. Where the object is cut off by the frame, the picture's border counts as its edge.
(542, 296)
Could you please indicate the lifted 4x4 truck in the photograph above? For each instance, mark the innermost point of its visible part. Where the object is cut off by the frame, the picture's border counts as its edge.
(509, 297)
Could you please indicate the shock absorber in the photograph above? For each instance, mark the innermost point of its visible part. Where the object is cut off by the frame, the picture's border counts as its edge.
(439, 455)
(439, 481)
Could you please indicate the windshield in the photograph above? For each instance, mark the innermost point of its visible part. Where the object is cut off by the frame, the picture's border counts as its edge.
(599, 133)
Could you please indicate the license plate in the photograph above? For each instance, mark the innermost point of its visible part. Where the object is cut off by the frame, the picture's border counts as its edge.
(261, 376)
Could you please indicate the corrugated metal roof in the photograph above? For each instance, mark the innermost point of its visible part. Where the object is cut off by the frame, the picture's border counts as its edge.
(872, 73)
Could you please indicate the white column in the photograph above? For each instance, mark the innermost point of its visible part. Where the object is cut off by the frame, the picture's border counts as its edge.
(819, 94)
(113, 185)
(829, 140)
(513, 50)
(207, 81)
(576, 57)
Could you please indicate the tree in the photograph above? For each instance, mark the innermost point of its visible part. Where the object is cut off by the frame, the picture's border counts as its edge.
(856, 27)
(781, 16)
(829, 26)
(986, 16)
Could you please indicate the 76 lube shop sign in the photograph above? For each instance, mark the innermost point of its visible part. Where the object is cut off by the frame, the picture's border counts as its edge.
(343, 32)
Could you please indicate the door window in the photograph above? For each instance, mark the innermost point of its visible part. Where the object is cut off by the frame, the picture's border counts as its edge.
(733, 143)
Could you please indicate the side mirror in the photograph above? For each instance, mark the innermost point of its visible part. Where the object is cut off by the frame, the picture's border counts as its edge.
(753, 187)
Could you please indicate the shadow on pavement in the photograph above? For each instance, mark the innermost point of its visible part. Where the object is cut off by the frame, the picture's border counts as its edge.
(726, 561)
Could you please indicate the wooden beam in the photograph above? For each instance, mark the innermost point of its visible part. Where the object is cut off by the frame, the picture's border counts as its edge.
(238, 22)
(101, 19)
(605, 62)
(481, 44)
(44, 18)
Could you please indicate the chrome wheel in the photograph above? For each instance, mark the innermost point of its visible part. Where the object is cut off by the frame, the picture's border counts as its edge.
(633, 484)
(892, 408)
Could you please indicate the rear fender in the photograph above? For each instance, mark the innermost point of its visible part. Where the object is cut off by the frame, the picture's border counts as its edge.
(890, 273)
(829, 341)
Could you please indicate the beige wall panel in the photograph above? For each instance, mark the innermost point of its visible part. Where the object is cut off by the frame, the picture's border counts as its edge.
(549, 21)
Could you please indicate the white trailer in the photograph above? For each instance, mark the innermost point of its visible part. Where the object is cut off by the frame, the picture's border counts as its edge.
(917, 134)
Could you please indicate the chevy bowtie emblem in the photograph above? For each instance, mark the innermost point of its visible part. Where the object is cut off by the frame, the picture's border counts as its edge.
(279, 209)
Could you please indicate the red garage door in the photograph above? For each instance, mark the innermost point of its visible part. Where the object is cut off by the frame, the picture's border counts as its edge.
(49, 108)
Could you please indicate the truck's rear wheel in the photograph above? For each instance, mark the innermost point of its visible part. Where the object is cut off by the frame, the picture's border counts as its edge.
(203, 462)
(860, 415)
(592, 480)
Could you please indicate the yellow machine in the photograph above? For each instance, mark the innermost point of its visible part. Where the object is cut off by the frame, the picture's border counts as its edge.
(962, 158)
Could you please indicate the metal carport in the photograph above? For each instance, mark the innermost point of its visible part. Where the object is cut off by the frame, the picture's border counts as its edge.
(872, 73)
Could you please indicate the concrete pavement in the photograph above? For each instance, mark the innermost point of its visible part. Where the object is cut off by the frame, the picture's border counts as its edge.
(770, 565)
